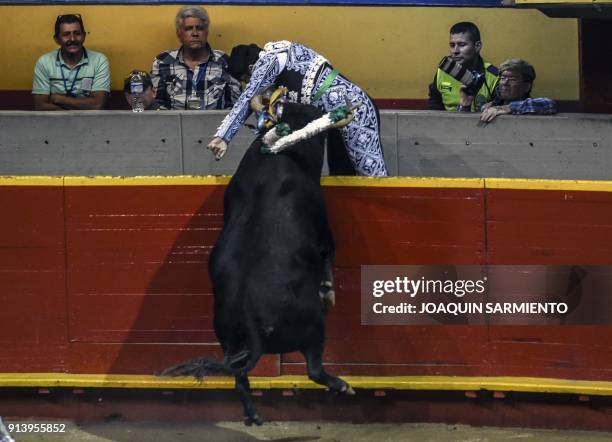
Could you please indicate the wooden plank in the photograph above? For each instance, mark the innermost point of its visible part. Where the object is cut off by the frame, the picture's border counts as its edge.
(549, 227)
(33, 327)
(141, 252)
(406, 225)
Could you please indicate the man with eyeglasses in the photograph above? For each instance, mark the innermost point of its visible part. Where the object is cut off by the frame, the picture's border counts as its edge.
(71, 77)
(513, 93)
(194, 76)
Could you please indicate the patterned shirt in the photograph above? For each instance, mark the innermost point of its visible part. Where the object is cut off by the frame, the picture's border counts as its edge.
(53, 76)
(210, 86)
(539, 106)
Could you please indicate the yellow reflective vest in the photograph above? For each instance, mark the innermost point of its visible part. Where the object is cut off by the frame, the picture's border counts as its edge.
(449, 89)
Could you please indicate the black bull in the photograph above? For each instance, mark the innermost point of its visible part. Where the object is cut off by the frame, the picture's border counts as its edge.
(271, 264)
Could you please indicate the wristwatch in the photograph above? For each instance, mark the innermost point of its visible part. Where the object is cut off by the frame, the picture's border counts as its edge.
(461, 108)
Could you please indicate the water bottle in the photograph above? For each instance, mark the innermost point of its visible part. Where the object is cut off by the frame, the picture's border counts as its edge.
(136, 91)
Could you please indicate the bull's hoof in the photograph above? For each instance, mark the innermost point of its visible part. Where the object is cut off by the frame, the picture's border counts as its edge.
(347, 390)
(255, 419)
(343, 388)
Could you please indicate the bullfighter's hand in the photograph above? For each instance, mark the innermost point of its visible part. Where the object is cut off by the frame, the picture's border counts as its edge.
(218, 147)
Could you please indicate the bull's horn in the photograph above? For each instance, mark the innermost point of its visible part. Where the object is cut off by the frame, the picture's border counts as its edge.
(256, 103)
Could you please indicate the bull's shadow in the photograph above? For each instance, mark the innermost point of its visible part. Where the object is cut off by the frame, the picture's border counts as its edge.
(174, 318)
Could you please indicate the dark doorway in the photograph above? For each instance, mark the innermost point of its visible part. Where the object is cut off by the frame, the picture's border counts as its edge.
(596, 65)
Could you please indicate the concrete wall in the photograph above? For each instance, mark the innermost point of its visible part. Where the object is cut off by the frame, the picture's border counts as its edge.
(417, 143)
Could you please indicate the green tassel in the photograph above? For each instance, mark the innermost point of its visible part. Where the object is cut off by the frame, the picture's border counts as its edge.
(339, 114)
(282, 129)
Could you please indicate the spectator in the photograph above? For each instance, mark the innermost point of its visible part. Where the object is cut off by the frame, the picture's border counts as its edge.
(310, 79)
(148, 94)
(446, 92)
(514, 87)
(193, 76)
(70, 77)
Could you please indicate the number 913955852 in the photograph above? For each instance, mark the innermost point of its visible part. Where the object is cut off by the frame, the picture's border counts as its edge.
(23, 427)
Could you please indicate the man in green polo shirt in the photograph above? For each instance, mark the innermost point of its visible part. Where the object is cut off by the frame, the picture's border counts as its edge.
(71, 77)
(448, 93)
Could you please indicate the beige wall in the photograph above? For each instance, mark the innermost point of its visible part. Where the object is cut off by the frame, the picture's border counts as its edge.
(403, 43)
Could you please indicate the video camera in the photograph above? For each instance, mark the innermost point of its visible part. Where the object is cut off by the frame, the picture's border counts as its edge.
(471, 79)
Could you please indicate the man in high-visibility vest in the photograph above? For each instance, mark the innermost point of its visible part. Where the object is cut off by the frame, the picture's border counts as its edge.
(448, 93)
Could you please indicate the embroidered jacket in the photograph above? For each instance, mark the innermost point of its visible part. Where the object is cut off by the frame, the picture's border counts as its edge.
(290, 64)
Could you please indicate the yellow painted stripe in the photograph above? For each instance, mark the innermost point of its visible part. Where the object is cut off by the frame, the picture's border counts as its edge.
(446, 383)
(222, 180)
(531, 184)
(438, 182)
(335, 181)
(31, 181)
(184, 180)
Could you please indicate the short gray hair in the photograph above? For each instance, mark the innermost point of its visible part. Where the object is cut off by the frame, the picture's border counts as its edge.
(520, 67)
(192, 11)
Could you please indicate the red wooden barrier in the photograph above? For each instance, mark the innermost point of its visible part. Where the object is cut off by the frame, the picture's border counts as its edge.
(112, 279)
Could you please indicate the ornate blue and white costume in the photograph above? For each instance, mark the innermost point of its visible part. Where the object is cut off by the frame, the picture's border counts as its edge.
(302, 71)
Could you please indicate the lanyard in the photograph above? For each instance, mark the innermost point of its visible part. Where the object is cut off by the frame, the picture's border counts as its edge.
(201, 73)
(76, 75)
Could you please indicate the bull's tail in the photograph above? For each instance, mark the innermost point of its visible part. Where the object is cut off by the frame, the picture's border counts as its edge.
(233, 365)
(236, 364)
(198, 368)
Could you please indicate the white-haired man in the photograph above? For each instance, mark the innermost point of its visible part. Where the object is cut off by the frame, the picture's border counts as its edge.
(193, 76)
